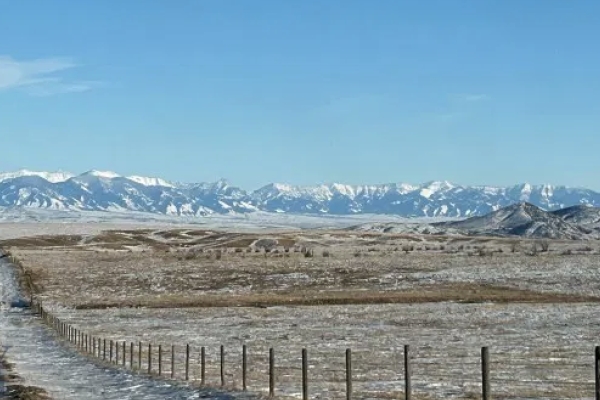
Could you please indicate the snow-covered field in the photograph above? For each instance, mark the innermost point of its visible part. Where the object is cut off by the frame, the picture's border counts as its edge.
(537, 351)
(42, 361)
(26, 221)
(541, 329)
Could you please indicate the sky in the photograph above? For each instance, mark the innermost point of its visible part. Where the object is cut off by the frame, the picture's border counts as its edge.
(492, 92)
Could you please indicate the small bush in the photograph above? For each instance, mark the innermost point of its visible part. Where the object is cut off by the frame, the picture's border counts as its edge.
(586, 248)
(533, 250)
(326, 253)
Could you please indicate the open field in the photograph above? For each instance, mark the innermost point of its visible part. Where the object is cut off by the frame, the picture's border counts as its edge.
(536, 304)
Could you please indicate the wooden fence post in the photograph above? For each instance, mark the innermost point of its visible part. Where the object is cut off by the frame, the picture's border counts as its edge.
(111, 351)
(407, 373)
(271, 372)
(348, 374)
(131, 356)
(244, 367)
(149, 358)
(172, 361)
(187, 362)
(140, 355)
(304, 375)
(159, 359)
(485, 373)
(597, 371)
(116, 352)
(104, 350)
(124, 352)
(222, 365)
(203, 366)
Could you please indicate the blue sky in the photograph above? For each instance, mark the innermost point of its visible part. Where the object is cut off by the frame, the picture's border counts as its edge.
(305, 92)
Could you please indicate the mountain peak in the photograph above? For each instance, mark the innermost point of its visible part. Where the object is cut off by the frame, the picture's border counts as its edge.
(101, 174)
(53, 177)
(150, 181)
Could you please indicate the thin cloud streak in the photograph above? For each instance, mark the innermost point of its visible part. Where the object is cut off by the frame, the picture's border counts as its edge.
(40, 77)
(471, 97)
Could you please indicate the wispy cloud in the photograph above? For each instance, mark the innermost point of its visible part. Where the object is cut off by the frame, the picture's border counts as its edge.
(41, 77)
(471, 97)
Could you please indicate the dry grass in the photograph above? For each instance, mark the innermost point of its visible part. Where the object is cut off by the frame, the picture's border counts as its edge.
(466, 293)
(190, 287)
(145, 268)
(42, 241)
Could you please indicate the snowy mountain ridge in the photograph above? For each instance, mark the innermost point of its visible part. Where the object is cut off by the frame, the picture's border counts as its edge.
(108, 191)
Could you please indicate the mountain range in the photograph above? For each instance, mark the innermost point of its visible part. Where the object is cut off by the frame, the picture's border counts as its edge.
(519, 219)
(108, 191)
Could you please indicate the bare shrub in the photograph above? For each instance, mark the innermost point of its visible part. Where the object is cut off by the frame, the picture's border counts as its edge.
(544, 245)
(266, 244)
(533, 250)
(218, 254)
(482, 252)
(514, 247)
(326, 253)
(407, 247)
(566, 252)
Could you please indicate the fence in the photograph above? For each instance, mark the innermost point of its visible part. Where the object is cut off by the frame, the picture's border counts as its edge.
(146, 358)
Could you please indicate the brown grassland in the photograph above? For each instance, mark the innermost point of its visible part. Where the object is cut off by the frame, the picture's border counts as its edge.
(168, 283)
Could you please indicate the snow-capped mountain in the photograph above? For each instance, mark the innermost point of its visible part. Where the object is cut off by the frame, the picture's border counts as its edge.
(109, 191)
(517, 220)
(54, 177)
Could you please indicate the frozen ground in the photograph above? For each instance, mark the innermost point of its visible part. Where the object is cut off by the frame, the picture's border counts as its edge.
(42, 361)
(541, 330)
(84, 278)
(537, 351)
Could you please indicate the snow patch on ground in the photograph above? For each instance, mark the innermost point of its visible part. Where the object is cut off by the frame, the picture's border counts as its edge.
(43, 361)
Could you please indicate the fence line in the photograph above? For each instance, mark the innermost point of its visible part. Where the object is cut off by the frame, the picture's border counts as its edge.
(97, 347)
